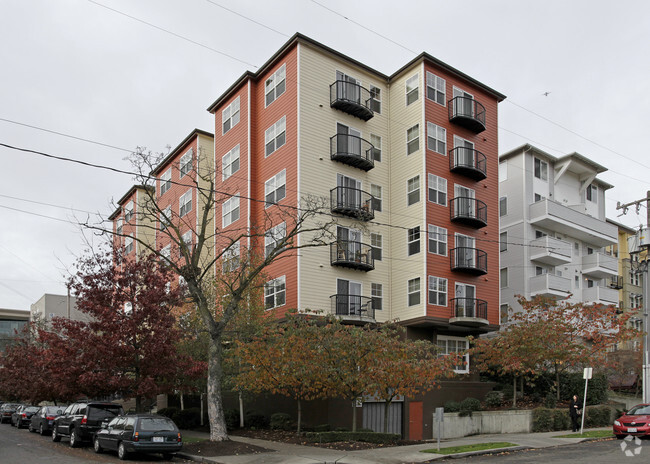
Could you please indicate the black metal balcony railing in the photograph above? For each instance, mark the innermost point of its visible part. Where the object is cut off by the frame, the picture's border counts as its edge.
(351, 98)
(352, 150)
(467, 112)
(352, 254)
(352, 305)
(615, 282)
(352, 202)
(468, 307)
(468, 162)
(468, 211)
(469, 260)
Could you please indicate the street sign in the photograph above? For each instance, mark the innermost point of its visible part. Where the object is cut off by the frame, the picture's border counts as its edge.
(439, 418)
(588, 373)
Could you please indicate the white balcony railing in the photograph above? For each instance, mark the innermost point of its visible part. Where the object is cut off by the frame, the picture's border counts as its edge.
(550, 250)
(599, 265)
(604, 295)
(550, 285)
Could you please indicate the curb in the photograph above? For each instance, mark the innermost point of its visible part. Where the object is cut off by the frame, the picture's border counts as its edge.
(191, 457)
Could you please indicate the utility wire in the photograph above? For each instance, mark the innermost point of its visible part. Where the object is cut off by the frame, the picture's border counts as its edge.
(247, 18)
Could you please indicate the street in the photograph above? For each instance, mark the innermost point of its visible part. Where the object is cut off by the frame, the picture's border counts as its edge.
(20, 446)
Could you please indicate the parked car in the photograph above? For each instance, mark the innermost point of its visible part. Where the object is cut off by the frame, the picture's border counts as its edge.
(6, 410)
(634, 422)
(43, 419)
(135, 433)
(81, 420)
(23, 415)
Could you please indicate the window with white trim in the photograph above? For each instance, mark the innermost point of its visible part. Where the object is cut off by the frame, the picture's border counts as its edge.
(119, 226)
(128, 244)
(186, 162)
(272, 237)
(375, 140)
(437, 190)
(437, 240)
(541, 169)
(165, 181)
(276, 85)
(229, 211)
(375, 191)
(230, 116)
(412, 89)
(166, 252)
(275, 136)
(412, 190)
(503, 241)
(230, 163)
(275, 293)
(592, 193)
(376, 242)
(165, 217)
(375, 99)
(275, 188)
(503, 206)
(448, 345)
(377, 296)
(503, 277)
(231, 257)
(413, 139)
(185, 203)
(128, 211)
(436, 138)
(187, 239)
(436, 88)
(413, 240)
(413, 291)
(437, 291)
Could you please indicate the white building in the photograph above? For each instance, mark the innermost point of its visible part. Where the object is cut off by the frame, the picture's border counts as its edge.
(49, 306)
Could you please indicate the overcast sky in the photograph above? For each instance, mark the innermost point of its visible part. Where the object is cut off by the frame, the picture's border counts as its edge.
(79, 67)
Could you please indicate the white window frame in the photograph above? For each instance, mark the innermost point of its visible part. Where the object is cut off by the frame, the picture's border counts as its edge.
(187, 239)
(438, 85)
(443, 350)
(185, 203)
(503, 206)
(377, 296)
(373, 98)
(377, 243)
(274, 82)
(503, 282)
(438, 286)
(272, 236)
(413, 190)
(278, 287)
(230, 115)
(436, 138)
(166, 252)
(503, 241)
(165, 217)
(376, 192)
(229, 211)
(437, 235)
(543, 169)
(413, 287)
(591, 193)
(128, 211)
(414, 140)
(375, 140)
(185, 164)
(119, 227)
(128, 244)
(231, 257)
(275, 189)
(230, 163)
(412, 87)
(438, 182)
(276, 135)
(411, 239)
(165, 181)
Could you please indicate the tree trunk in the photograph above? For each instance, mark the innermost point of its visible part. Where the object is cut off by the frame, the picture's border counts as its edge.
(386, 411)
(514, 391)
(354, 415)
(557, 383)
(241, 410)
(521, 385)
(202, 408)
(218, 430)
(182, 398)
(299, 416)
(138, 403)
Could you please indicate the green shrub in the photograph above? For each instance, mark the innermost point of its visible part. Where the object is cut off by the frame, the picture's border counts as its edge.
(257, 421)
(365, 430)
(322, 428)
(494, 399)
(542, 420)
(231, 417)
(452, 406)
(188, 418)
(550, 401)
(169, 412)
(280, 421)
(368, 437)
(470, 404)
(561, 419)
(599, 416)
(341, 429)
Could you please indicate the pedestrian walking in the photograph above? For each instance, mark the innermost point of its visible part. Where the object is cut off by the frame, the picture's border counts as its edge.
(574, 413)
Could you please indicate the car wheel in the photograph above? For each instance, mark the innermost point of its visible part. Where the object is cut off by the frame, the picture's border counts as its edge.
(41, 430)
(121, 451)
(55, 434)
(30, 428)
(74, 439)
(96, 446)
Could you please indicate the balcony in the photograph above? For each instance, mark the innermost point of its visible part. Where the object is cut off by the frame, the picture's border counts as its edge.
(602, 295)
(468, 211)
(550, 286)
(352, 202)
(554, 216)
(468, 162)
(468, 260)
(352, 150)
(352, 307)
(468, 113)
(615, 282)
(351, 98)
(549, 250)
(352, 255)
(599, 265)
(468, 312)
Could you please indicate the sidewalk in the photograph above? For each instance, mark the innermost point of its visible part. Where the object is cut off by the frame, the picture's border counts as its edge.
(297, 454)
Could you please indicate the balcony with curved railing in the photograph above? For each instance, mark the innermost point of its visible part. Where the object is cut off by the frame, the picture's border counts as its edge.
(469, 312)
(352, 202)
(352, 255)
(468, 162)
(468, 113)
(352, 306)
(351, 98)
(352, 150)
(468, 211)
(468, 260)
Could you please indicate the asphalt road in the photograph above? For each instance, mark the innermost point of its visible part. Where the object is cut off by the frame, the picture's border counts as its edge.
(598, 452)
(20, 447)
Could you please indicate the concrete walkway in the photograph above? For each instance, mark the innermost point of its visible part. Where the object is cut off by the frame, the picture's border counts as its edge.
(297, 454)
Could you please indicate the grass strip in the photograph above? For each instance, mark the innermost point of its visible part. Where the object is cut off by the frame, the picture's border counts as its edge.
(469, 448)
(589, 434)
(188, 440)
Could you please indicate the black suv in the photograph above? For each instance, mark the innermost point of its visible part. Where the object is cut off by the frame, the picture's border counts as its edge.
(81, 420)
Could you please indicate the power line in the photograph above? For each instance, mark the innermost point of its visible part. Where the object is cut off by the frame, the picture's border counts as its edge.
(247, 18)
(49, 204)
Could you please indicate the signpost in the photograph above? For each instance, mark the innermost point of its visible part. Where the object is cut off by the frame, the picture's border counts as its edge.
(440, 417)
(586, 375)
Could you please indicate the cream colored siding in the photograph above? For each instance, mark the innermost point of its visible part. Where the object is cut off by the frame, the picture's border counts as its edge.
(205, 165)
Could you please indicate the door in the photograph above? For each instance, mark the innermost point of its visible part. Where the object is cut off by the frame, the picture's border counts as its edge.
(464, 152)
(465, 255)
(465, 300)
(348, 243)
(463, 106)
(348, 140)
(348, 301)
(347, 87)
(415, 420)
(349, 192)
(465, 204)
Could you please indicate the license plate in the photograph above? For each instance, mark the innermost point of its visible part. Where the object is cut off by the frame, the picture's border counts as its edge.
(161, 439)
(631, 429)
(51, 422)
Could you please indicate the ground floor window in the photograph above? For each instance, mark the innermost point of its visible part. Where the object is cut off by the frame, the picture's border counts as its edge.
(448, 345)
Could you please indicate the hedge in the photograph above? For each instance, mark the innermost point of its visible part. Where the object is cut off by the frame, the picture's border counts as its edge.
(368, 437)
(547, 420)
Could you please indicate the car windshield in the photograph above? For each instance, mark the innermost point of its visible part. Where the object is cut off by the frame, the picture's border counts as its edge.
(53, 410)
(156, 424)
(103, 412)
(639, 410)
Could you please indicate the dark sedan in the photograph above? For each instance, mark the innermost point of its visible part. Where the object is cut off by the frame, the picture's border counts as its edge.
(146, 433)
(44, 418)
(23, 416)
(6, 410)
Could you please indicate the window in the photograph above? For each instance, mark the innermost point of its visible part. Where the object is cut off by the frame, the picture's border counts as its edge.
(375, 191)
(413, 289)
(128, 211)
(541, 169)
(503, 277)
(375, 99)
(187, 240)
(503, 206)
(412, 86)
(375, 140)
(166, 252)
(276, 85)
(229, 211)
(376, 244)
(230, 116)
(119, 226)
(437, 190)
(592, 193)
(275, 188)
(436, 88)
(230, 163)
(165, 181)
(538, 197)
(275, 136)
(185, 203)
(413, 190)
(448, 345)
(165, 218)
(503, 241)
(436, 138)
(539, 270)
(275, 293)
(231, 257)
(437, 291)
(576, 282)
(413, 237)
(128, 244)
(590, 251)
(504, 309)
(272, 237)
(590, 283)
(377, 296)
(186, 162)
(437, 240)
(413, 139)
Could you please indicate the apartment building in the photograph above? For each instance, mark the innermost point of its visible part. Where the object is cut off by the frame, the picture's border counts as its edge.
(12, 322)
(131, 223)
(49, 306)
(554, 233)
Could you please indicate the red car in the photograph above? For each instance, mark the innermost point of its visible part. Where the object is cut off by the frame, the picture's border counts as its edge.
(634, 422)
